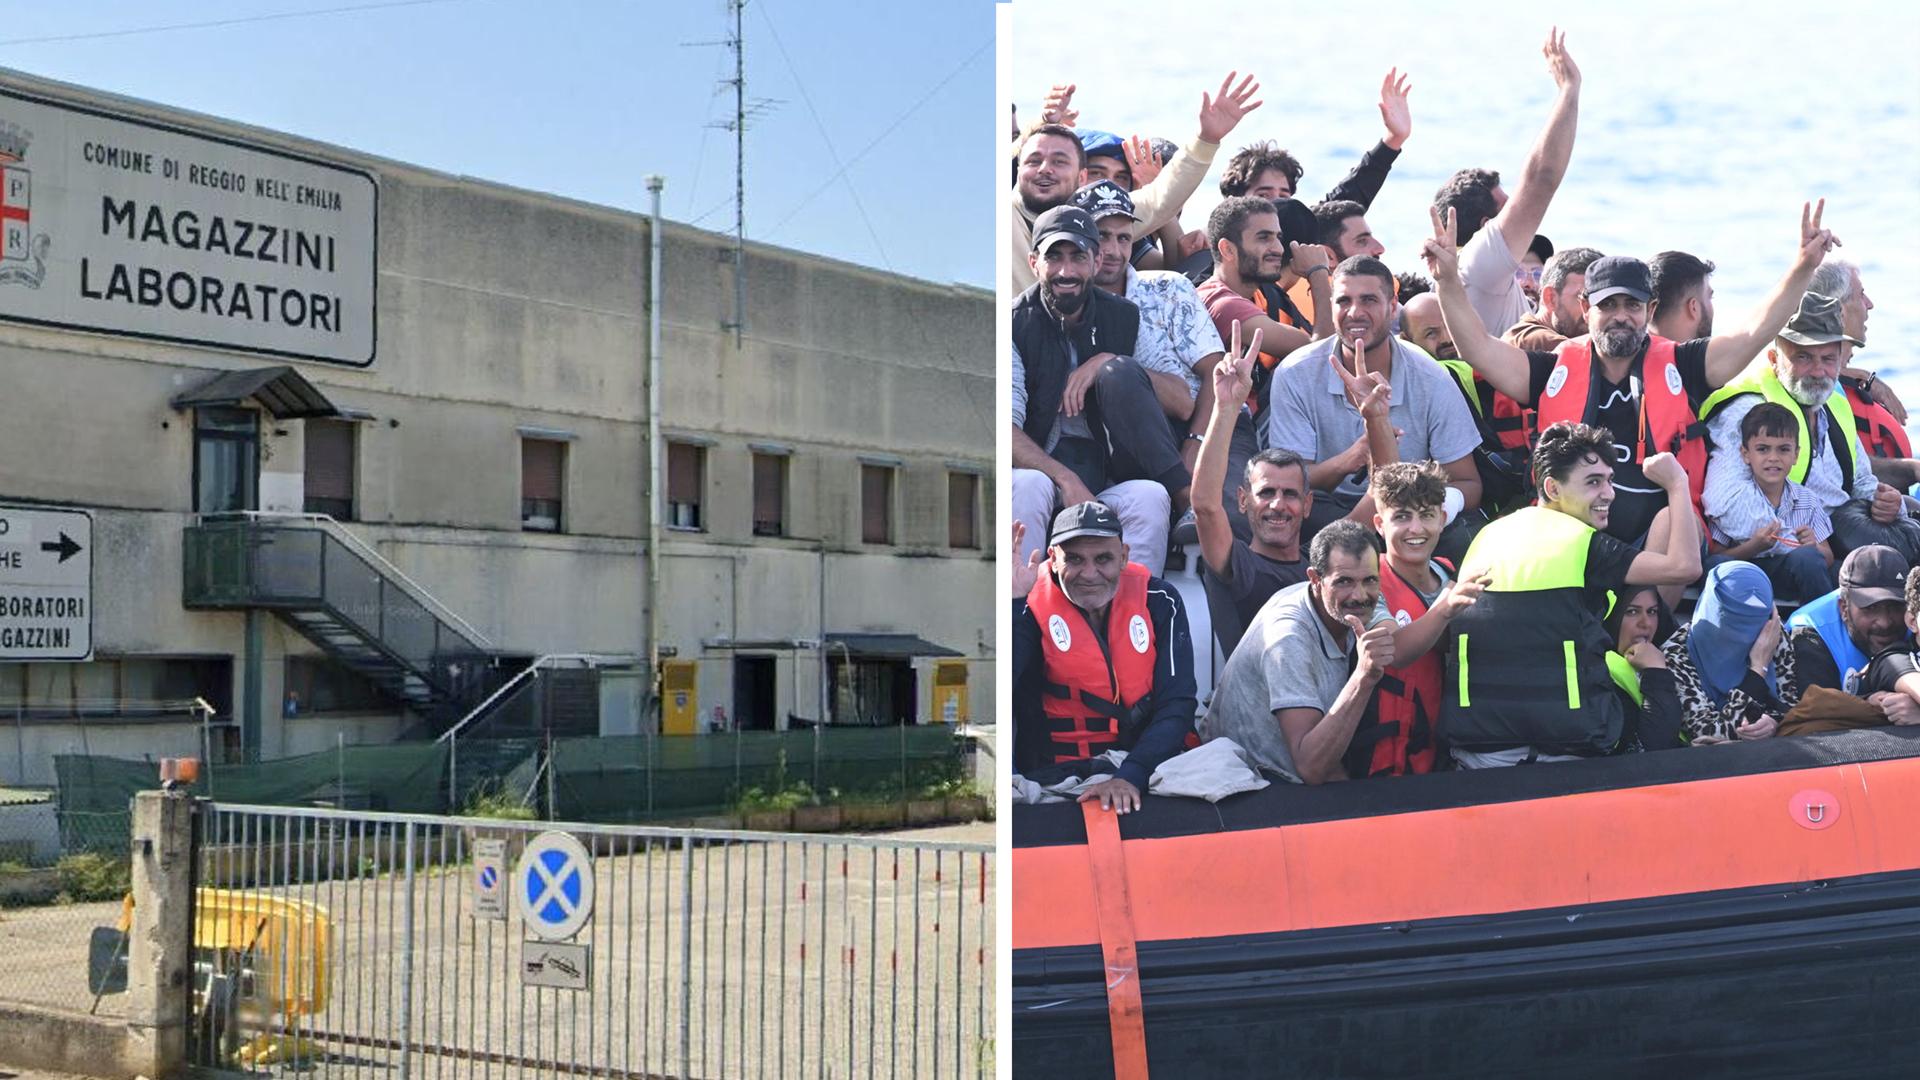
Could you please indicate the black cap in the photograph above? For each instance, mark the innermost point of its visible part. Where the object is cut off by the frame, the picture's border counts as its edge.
(1611, 275)
(1066, 223)
(1297, 223)
(1817, 322)
(1873, 575)
(1104, 198)
(1085, 519)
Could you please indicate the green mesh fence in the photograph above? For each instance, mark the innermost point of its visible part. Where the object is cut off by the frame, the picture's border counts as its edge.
(637, 778)
(605, 779)
(95, 792)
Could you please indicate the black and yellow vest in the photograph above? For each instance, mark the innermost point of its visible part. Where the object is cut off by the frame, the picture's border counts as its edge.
(1527, 664)
(1760, 378)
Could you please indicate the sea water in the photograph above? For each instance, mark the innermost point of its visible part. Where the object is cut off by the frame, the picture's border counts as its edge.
(1702, 127)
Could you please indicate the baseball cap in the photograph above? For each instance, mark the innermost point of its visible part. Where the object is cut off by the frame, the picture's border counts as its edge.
(1872, 575)
(1817, 322)
(1101, 143)
(1104, 198)
(1085, 519)
(1611, 275)
(1067, 222)
(1297, 223)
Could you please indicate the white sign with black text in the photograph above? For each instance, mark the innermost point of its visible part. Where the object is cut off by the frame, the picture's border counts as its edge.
(125, 226)
(46, 584)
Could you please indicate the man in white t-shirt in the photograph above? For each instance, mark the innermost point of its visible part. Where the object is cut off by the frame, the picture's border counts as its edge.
(1493, 230)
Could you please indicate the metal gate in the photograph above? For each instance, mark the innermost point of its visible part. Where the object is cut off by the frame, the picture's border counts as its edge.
(341, 944)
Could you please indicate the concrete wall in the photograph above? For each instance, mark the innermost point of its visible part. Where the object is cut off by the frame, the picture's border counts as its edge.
(501, 309)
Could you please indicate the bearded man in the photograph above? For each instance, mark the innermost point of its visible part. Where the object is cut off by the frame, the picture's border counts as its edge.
(1644, 388)
(1801, 371)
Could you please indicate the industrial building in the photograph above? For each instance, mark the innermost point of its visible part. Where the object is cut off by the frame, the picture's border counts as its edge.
(210, 333)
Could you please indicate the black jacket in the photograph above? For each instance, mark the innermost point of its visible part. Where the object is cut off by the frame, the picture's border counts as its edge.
(1049, 351)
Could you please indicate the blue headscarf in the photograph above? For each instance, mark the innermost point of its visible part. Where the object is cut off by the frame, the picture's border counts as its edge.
(1735, 604)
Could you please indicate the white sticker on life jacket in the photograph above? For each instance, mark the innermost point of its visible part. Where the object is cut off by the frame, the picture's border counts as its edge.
(1673, 379)
(1062, 637)
(1403, 618)
(1557, 380)
(1137, 633)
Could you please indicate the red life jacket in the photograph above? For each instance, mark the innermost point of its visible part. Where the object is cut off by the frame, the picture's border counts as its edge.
(1880, 433)
(1396, 736)
(1089, 688)
(1667, 422)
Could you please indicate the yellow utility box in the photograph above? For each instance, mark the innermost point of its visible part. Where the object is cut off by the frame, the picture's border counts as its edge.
(680, 697)
(950, 692)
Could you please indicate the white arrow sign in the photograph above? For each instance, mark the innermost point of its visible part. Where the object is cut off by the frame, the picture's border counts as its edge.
(46, 584)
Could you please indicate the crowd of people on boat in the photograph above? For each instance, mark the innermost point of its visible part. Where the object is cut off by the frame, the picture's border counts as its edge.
(1443, 518)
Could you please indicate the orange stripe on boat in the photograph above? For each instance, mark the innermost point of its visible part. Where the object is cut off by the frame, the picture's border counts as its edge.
(1595, 847)
(1126, 1022)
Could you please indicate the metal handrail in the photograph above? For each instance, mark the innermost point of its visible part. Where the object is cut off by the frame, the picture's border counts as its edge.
(344, 535)
(526, 673)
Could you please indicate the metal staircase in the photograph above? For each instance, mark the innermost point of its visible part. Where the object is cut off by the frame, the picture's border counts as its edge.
(344, 597)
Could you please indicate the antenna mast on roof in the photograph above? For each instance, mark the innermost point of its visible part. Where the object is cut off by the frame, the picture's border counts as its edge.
(744, 111)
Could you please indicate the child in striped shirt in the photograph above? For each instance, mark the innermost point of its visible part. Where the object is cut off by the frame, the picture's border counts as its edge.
(1782, 528)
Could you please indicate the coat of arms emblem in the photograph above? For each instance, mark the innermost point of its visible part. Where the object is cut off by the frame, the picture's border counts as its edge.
(23, 256)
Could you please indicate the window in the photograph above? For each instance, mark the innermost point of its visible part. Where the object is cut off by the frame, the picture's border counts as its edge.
(542, 479)
(876, 504)
(686, 480)
(119, 688)
(318, 684)
(963, 491)
(226, 460)
(330, 460)
(769, 495)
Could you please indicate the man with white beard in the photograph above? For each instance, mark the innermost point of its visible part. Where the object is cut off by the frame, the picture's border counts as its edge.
(1802, 373)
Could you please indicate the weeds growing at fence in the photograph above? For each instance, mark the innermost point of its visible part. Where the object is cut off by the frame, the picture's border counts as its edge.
(496, 801)
(756, 800)
(91, 876)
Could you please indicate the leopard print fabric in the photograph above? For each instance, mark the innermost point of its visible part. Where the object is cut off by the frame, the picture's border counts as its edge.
(1699, 716)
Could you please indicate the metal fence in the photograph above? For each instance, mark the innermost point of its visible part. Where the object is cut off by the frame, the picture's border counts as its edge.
(358, 944)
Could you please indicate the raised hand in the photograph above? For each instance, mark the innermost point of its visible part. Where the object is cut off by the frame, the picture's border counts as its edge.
(1664, 469)
(1369, 393)
(1059, 106)
(1443, 261)
(1233, 375)
(1142, 162)
(1566, 74)
(1025, 574)
(1220, 115)
(1310, 257)
(1393, 108)
(1815, 241)
(1195, 241)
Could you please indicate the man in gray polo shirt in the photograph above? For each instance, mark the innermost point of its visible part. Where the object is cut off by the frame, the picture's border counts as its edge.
(1314, 415)
(1292, 693)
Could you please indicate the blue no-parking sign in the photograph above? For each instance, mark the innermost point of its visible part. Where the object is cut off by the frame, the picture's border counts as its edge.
(553, 886)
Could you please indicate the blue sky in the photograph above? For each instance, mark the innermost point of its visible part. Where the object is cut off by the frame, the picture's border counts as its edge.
(585, 97)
